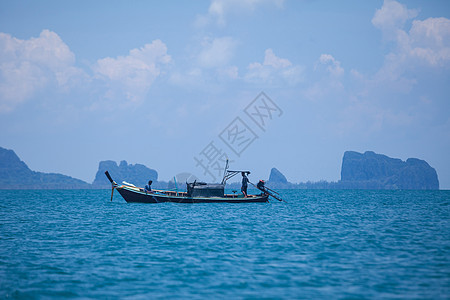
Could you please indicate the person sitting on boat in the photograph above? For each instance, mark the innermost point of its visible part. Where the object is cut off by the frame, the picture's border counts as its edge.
(260, 186)
(244, 184)
(148, 187)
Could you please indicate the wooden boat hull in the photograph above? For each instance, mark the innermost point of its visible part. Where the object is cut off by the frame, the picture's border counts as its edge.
(136, 195)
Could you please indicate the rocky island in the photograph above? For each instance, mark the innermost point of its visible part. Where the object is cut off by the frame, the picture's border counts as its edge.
(276, 177)
(15, 174)
(136, 174)
(373, 171)
(359, 171)
(377, 171)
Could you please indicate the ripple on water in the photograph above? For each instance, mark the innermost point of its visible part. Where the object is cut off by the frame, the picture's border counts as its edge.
(339, 244)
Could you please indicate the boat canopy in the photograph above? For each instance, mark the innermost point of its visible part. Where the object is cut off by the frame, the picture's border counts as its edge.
(228, 174)
(201, 189)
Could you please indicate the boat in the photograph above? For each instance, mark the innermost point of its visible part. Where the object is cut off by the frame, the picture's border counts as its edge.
(197, 192)
(138, 195)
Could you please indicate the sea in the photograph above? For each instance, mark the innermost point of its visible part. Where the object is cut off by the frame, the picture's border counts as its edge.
(318, 244)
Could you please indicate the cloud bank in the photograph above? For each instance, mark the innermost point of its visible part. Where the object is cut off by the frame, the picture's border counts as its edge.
(274, 70)
(425, 44)
(219, 9)
(29, 66)
(135, 73)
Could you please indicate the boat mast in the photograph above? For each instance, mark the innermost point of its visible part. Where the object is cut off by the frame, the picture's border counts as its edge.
(225, 172)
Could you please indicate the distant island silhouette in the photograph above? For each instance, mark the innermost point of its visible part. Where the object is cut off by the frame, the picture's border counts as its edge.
(15, 174)
(136, 174)
(372, 171)
(359, 171)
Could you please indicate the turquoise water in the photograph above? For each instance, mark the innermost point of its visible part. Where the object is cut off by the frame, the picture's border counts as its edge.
(321, 244)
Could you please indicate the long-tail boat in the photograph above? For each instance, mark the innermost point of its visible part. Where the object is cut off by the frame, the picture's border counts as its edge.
(197, 192)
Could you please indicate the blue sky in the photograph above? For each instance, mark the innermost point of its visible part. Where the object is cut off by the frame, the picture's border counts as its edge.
(164, 83)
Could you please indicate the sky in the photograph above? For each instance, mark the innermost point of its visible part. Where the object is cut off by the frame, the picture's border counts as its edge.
(181, 86)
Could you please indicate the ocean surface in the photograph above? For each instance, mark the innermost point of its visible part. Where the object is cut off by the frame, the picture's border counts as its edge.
(319, 245)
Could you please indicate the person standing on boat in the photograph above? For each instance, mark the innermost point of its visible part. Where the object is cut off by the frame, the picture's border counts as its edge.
(244, 184)
(148, 187)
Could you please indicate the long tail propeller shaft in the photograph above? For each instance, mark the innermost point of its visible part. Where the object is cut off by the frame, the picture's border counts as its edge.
(270, 192)
(113, 183)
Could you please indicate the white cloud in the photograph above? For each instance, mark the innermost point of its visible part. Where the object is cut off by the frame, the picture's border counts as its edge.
(274, 69)
(209, 66)
(216, 53)
(426, 44)
(377, 103)
(328, 84)
(430, 41)
(27, 66)
(134, 73)
(392, 15)
(332, 65)
(272, 60)
(219, 9)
